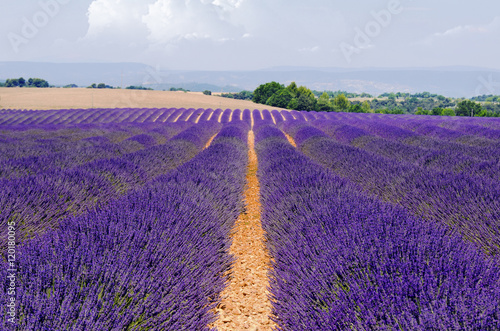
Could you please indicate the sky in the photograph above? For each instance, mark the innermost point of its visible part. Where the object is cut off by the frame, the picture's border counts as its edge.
(253, 34)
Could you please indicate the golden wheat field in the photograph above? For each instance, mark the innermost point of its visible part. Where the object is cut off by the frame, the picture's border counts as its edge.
(61, 98)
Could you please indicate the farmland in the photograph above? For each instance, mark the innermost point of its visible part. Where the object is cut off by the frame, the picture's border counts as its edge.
(63, 98)
(128, 218)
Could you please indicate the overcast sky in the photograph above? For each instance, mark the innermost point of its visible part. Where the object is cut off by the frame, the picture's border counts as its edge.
(253, 34)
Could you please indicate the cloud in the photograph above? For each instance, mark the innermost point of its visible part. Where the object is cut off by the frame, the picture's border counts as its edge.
(169, 21)
(117, 18)
(465, 31)
(313, 49)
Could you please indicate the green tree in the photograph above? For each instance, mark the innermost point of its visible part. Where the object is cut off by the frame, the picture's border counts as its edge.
(355, 108)
(22, 82)
(265, 91)
(366, 107)
(306, 103)
(305, 99)
(37, 82)
(324, 103)
(421, 111)
(293, 104)
(397, 111)
(341, 103)
(101, 85)
(207, 92)
(292, 88)
(12, 82)
(280, 99)
(448, 112)
(437, 111)
(467, 108)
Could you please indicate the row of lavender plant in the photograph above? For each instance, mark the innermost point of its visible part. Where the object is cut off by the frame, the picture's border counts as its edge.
(155, 259)
(469, 205)
(346, 261)
(441, 159)
(76, 153)
(35, 203)
(426, 136)
(24, 140)
(118, 115)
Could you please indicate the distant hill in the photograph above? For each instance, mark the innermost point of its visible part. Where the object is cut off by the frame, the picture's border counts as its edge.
(448, 81)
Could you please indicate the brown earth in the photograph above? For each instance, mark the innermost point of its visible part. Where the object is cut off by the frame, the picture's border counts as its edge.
(66, 98)
(245, 304)
(290, 140)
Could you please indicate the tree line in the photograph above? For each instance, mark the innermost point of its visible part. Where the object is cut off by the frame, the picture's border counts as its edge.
(296, 97)
(21, 82)
(302, 98)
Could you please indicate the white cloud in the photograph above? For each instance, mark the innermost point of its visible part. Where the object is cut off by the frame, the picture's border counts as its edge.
(121, 16)
(462, 31)
(310, 49)
(172, 20)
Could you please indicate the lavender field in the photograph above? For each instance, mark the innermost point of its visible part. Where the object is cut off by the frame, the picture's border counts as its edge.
(120, 219)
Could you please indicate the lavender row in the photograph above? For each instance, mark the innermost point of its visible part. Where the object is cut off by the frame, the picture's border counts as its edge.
(344, 260)
(154, 259)
(427, 136)
(39, 202)
(469, 205)
(87, 150)
(25, 141)
(18, 118)
(52, 118)
(445, 159)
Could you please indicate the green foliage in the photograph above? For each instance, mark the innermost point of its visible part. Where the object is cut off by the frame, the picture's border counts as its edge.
(207, 92)
(341, 103)
(355, 108)
(448, 112)
(467, 108)
(350, 95)
(70, 86)
(293, 104)
(487, 98)
(437, 111)
(100, 86)
(324, 103)
(421, 111)
(305, 99)
(175, 89)
(410, 103)
(243, 95)
(21, 82)
(305, 102)
(366, 107)
(396, 111)
(291, 97)
(265, 91)
(292, 88)
(280, 99)
(424, 103)
(132, 87)
(38, 82)
(12, 82)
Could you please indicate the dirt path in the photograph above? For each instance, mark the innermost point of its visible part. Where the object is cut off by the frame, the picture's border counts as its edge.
(245, 304)
(290, 140)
